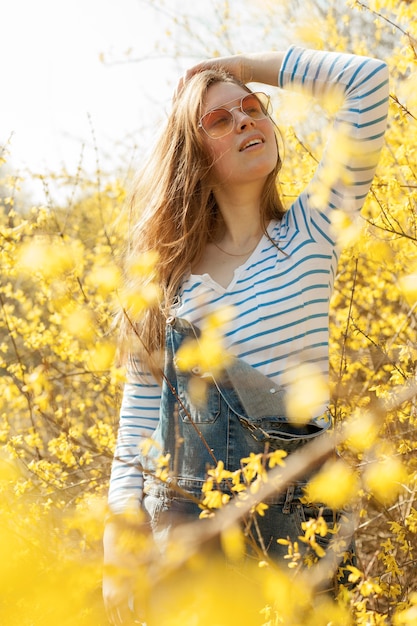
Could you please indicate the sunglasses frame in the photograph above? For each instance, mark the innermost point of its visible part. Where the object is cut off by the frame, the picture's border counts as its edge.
(264, 100)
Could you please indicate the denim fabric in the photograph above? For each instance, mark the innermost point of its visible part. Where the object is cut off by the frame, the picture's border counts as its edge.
(243, 411)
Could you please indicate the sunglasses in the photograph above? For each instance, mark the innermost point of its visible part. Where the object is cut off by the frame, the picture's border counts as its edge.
(219, 122)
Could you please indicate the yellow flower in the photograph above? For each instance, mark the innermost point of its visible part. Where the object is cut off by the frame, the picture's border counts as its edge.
(308, 392)
(233, 543)
(219, 473)
(277, 458)
(101, 357)
(260, 508)
(207, 353)
(385, 478)
(215, 499)
(335, 485)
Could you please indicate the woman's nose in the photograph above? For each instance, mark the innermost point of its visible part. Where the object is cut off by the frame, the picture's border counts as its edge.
(242, 119)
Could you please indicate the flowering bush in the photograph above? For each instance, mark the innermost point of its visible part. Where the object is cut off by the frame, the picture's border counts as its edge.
(60, 390)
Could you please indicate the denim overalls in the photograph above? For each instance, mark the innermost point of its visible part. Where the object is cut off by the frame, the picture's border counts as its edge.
(243, 411)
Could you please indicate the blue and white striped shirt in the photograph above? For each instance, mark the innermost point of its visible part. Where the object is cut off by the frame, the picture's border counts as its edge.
(281, 301)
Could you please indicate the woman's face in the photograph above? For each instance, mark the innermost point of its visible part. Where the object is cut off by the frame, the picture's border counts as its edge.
(246, 154)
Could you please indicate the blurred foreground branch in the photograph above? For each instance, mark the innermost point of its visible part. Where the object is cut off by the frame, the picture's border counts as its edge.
(190, 538)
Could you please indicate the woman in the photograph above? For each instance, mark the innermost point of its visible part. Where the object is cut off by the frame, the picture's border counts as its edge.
(209, 205)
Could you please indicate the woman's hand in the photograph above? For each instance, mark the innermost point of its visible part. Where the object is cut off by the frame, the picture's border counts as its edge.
(259, 67)
(117, 596)
(119, 578)
(235, 65)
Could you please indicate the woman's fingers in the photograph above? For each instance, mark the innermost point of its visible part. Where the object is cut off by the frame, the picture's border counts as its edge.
(233, 65)
(123, 616)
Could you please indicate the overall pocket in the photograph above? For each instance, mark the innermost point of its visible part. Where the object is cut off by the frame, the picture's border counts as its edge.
(200, 410)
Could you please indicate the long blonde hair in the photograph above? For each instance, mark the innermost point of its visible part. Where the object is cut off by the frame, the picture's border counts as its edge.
(172, 210)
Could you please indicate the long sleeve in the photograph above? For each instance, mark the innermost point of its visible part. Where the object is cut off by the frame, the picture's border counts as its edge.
(139, 415)
(357, 89)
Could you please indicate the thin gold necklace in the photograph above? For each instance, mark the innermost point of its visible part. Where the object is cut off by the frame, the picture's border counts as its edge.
(231, 253)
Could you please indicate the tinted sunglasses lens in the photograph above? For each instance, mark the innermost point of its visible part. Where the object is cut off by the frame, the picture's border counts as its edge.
(256, 106)
(218, 122)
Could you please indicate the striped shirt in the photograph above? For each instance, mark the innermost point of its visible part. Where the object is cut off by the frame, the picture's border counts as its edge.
(280, 297)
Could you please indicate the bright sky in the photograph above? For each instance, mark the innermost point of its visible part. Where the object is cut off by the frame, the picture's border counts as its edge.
(52, 79)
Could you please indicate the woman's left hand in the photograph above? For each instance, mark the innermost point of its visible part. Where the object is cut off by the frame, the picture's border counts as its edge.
(260, 67)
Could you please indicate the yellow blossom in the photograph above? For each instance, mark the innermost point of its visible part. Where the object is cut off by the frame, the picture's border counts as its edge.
(233, 543)
(385, 478)
(335, 485)
(102, 355)
(307, 393)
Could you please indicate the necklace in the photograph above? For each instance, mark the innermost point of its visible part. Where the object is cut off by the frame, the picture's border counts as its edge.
(231, 253)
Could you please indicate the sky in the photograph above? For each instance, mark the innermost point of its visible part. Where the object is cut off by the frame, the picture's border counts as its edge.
(62, 107)
(58, 95)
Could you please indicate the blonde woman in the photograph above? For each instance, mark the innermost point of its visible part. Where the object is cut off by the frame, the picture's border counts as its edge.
(207, 202)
